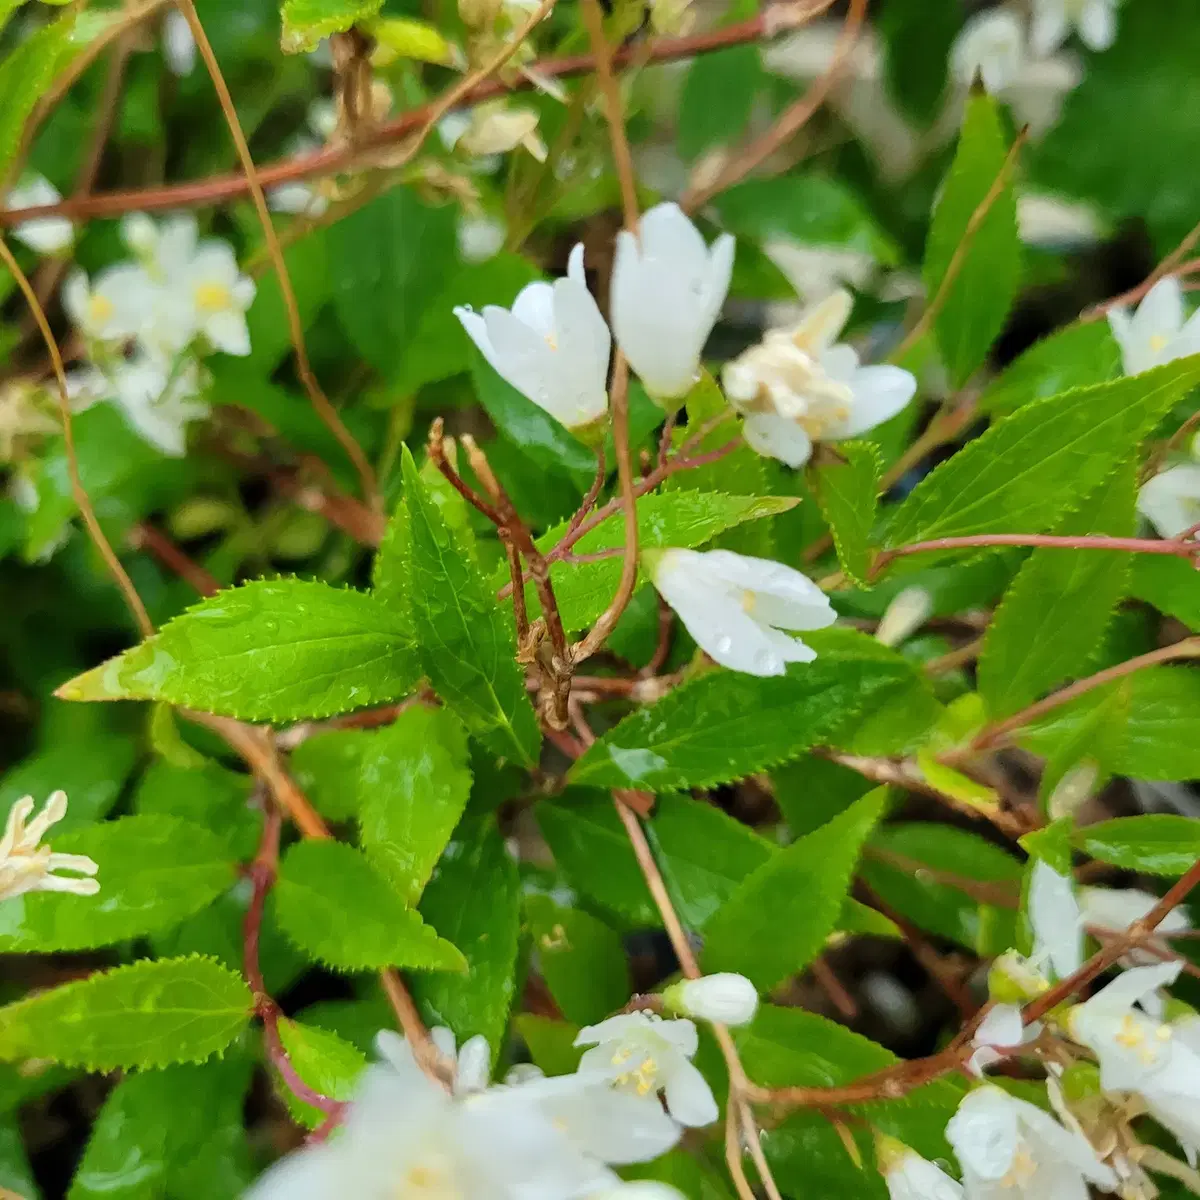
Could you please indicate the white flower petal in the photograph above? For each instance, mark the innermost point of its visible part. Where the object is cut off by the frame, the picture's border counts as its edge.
(1055, 919)
(1171, 500)
(689, 1098)
(1098, 25)
(984, 1133)
(1050, 27)
(879, 394)
(228, 332)
(783, 596)
(774, 436)
(534, 306)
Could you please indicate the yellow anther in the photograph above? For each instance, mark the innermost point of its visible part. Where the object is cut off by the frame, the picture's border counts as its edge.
(213, 297)
(749, 601)
(1158, 342)
(1023, 1169)
(1131, 1033)
(100, 309)
(622, 1055)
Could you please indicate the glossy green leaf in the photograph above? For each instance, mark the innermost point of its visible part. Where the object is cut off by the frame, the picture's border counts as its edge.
(977, 299)
(1055, 613)
(209, 795)
(149, 1014)
(847, 489)
(474, 900)
(1158, 843)
(580, 958)
(415, 782)
(327, 1063)
(777, 920)
(737, 76)
(466, 640)
(551, 1043)
(306, 22)
(280, 649)
(154, 872)
(813, 790)
(326, 768)
(25, 74)
(1030, 468)
(1172, 585)
(336, 906)
(916, 40)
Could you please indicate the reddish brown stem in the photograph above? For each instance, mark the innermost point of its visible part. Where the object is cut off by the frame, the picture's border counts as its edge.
(146, 537)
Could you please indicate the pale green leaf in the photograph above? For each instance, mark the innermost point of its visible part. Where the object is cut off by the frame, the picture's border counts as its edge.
(331, 902)
(25, 74)
(149, 1014)
(1172, 585)
(306, 22)
(209, 795)
(1157, 843)
(777, 920)
(327, 1063)
(326, 768)
(272, 650)
(15, 1172)
(847, 490)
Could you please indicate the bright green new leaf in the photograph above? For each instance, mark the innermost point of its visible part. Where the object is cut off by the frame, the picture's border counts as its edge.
(414, 783)
(1158, 843)
(580, 958)
(988, 251)
(474, 899)
(332, 903)
(466, 640)
(847, 489)
(1055, 613)
(330, 1065)
(211, 796)
(1033, 466)
(149, 1014)
(154, 872)
(306, 22)
(326, 768)
(777, 920)
(272, 650)
(25, 74)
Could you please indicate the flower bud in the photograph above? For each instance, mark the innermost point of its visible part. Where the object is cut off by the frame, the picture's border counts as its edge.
(909, 1176)
(1012, 980)
(726, 998)
(908, 611)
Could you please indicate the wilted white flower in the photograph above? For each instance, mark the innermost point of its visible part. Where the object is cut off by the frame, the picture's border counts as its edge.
(990, 46)
(46, 235)
(727, 998)
(909, 1176)
(113, 307)
(815, 272)
(553, 345)
(797, 386)
(23, 414)
(297, 199)
(1055, 920)
(178, 44)
(737, 607)
(667, 291)
(494, 128)
(159, 401)
(1012, 1150)
(1094, 20)
(644, 1054)
(26, 866)
(1171, 500)
(1157, 331)
(999, 1032)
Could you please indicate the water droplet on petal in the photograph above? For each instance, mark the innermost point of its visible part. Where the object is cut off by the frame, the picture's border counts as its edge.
(767, 662)
(724, 644)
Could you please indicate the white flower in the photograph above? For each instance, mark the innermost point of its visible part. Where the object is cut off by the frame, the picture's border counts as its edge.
(405, 1136)
(725, 997)
(158, 401)
(1000, 1031)
(641, 1053)
(1095, 21)
(1171, 500)
(1115, 909)
(495, 128)
(480, 238)
(1053, 223)
(639, 1189)
(552, 346)
(797, 386)
(474, 1060)
(297, 199)
(1055, 920)
(990, 46)
(113, 307)
(909, 1176)
(218, 295)
(815, 272)
(1157, 331)
(1012, 1150)
(178, 44)
(46, 235)
(737, 607)
(908, 611)
(26, 866)
(667, 291)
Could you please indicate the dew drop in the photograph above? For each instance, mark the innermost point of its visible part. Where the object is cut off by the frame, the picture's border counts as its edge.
(724, 644)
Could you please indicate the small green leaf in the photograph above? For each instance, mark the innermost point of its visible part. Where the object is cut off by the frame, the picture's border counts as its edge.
(848, 493)
(91, 769)
(154, 872)
(25, 74)
(327, 1063)
(415, 782)
(474, 899)
(272, 650)
(306, 22)
(466, 641)
(149, 1014)
(777, 920)
(15, 1172)
(736, 75)
(326, 768)
(332, 903)
(210, 795)
(551, 1043)
(1170, 584)
(1055, 613)
(1002, 481)
(977, 301)
(580, 958)
(1158, 843)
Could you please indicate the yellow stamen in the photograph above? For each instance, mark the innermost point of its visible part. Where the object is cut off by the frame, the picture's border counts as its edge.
(213, 297)
(1158, 342)
(749, 601)
(100, 309)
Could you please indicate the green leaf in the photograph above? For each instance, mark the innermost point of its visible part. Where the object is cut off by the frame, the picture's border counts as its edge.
(211, 796)
(91, 769)
(1005, 480)
(725, 725)
(306, 22)
(147, 1014)
(387, 261)
(474, 899)
(466, 641)
(272, 650)
(326, 768)
(777, 920)
(154, 872)
(917, 38)
(848, 493)
(15, 1172)
(331, 902)
(1078, 355)
(685, 1173)
(977, 300)
(25, 74)
(736, 75)
(1055, 613)
(580, 958)
(812, 790)
(551, 1043)
(415, 783)
(1157, 844)
(1170, 584)
(327, 1063)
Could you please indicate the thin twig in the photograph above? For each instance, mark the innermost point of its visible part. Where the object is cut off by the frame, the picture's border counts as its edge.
(833, 988)
(146, 537)
(589, 500)
(733, 1152)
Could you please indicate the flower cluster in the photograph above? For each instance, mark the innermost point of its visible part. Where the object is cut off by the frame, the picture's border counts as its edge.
(28, 866)
(531, 1136)
(147, 323)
